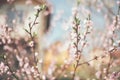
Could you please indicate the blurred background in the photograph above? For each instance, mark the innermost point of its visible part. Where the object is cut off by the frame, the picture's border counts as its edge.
(52, 34)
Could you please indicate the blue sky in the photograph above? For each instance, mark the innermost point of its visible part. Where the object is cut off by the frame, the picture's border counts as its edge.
(58, 32)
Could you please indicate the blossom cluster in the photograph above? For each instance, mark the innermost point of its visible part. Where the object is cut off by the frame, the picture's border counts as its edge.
(20, 57)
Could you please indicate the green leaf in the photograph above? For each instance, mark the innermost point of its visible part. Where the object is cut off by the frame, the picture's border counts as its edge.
(34, 34)
(77, 21)
(43, 6)
(74, 29)
(26, 30)
(78, 2)
(75, 44)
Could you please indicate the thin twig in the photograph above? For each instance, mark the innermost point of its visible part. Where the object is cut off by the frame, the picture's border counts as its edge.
(13, 74)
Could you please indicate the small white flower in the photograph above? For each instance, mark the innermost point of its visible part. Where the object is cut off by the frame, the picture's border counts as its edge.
(36, 53)
(111, 48)
(31, 44)
(37, 7)
(118, 2)
(40, 61)
(73, 35)
(98, 74)
(85, 21)
(32, 69)
(74, 11)
(43, 77)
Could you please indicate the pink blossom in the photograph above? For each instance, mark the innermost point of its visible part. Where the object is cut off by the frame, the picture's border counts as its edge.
(3, 68)
(10, 1)
(74, 11)
(31, 43)
(28, 2)
(36, 53)
(118, 2)
(88, 23)
(98, 74)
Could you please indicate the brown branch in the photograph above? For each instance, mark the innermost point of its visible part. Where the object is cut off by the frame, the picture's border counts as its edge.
(108, 9)
(13, 74)
(79, 51)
